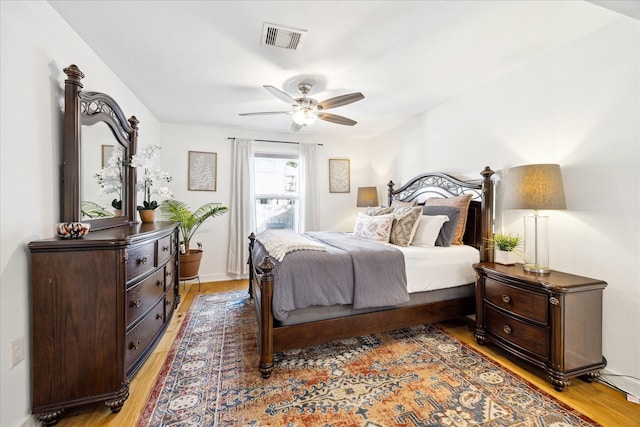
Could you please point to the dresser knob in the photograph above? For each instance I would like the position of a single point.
(165, 248)
(136, 303)
(159, 283)
(506, 329)
(134, 345)
(506, 298)
(142, 260)
(160, 316)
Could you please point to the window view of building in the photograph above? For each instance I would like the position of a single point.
(276, 189)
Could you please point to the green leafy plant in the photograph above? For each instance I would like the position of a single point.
(505, 242)
(190, 220)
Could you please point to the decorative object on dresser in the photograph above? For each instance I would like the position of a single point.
(100, 304)
(552, 320)
(535, 187)
(367, 197)
(190, 221)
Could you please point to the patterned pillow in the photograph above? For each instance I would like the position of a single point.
(405, 224)
(401, 204)
(461, 202)
(376, 227)
(378, 211)
(428, 230)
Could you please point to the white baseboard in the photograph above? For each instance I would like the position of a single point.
(627, 384)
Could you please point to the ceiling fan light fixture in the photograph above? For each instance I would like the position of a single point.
(304, 117)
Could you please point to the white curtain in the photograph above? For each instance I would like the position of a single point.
(309, 215)
(241, 209)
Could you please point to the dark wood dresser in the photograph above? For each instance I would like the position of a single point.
(552, 320)
(99, 305)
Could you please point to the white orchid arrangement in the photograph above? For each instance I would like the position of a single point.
(149, 182)
(110, 177)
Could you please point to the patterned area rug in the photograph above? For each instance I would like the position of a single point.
(410, 377)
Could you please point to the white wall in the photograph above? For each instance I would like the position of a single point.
(579, 107)
(337, 211)
(36, 44)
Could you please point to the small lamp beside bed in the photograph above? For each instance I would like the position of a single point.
(535, 187)
(367, 197)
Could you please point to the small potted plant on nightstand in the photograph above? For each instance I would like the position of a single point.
(505, 248)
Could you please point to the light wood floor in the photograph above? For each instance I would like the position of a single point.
(598, 401)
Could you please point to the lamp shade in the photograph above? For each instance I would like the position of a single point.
(534, 187)
(367, 196)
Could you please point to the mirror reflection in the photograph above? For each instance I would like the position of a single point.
(101, 173)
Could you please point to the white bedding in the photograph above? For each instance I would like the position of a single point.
(438, 267)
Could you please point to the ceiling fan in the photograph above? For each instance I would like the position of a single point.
(306, 110)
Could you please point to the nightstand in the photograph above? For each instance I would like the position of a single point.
(552, 320)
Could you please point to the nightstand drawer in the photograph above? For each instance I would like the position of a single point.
(529, 337)
(531, 305)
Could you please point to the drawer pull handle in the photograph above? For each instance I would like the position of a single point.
(142, 260)
(160, 316)
(136, 303)
(506, 298)
(506, 329)
(165, 248)
(134, 345)
(159, 283)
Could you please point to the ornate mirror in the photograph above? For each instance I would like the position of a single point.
(99, 143)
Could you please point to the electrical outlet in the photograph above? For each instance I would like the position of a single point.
(17, 351)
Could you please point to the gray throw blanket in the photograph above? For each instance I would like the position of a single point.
(352, 270)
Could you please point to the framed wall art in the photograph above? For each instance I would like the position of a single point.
(107, 150)
(339, 178)
(203, 168)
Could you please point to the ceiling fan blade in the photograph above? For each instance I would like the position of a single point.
(264, 113)
(334, 118)
(295, 127)
(341, 100)
(280, 95)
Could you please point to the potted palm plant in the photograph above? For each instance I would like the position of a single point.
(506, 248)
(190, 221)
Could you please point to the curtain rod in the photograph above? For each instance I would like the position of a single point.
(278, 142)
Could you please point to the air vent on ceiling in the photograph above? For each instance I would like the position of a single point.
(283, 37)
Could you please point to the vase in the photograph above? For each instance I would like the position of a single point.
(117, 212)
(190, 263)
(506, 257)
(147, 215)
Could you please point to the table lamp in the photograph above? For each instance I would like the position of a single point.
(535, 187)
(367, 197)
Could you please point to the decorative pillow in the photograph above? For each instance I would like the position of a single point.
(428, 230)
(461, 202)
(378, 211)
(401, 204)
(376, 227)
(448, 230)
(405, 224)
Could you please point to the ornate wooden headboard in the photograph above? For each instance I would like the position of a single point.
(479, 227)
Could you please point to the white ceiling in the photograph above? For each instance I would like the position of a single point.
(202, 62)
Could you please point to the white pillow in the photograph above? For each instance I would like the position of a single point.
(428, 230)
(376, 227)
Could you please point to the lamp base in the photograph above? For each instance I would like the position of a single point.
(533, 268)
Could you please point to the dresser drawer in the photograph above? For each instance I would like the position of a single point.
(532, 338)
(165, 248)
(531, 305)
(170, 273)
(139, 338)
(143, 295)
(170, 304)
(140, 259)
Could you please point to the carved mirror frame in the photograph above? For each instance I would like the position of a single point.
(90, 108)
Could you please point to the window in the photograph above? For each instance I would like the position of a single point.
(277, 186)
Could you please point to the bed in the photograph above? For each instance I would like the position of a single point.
(280, 330)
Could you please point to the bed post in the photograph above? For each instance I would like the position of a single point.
(390, 194)
(487, 214)
(266, 318)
